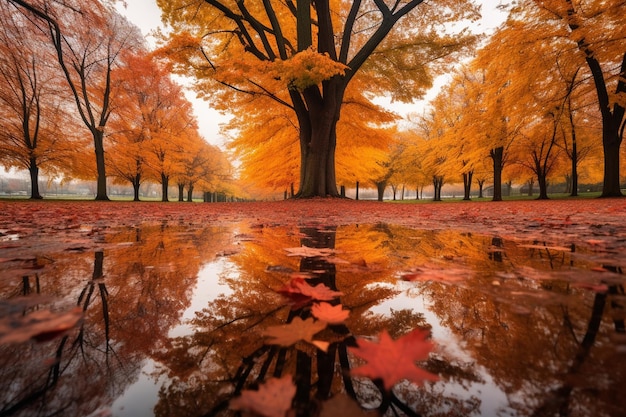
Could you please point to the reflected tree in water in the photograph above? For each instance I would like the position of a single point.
(134, 293)
(227, 354)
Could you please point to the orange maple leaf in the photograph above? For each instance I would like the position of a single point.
(393, 360)
(329, 313)
(273, 399)
(298, 329)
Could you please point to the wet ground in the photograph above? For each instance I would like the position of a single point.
(160, 314)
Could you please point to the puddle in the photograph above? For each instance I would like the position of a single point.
(178, 321)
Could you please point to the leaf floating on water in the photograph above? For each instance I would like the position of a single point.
(291, 333)
(329, 313)
(435, 273)
(394, 360)
(301, 293)
(307, 252)
(273, 398)
(40, 325)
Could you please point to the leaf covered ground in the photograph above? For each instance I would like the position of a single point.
(588, 221)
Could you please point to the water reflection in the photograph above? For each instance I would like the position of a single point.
(181, 314)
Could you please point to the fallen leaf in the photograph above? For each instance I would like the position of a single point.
(40, 325)
(329, 313)
(394, 360)
(291, 333)
(307, 252)
(437, 273)
(272, 399)
(301, 292)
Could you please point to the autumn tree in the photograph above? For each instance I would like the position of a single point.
(410, 166)
(266, 142)
(200, 165)
(131, 123)
(149, 106)
(597, 33)
(172, 131)
(304, 56)
(88, 43)
(32, 102)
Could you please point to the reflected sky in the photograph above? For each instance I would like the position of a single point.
(173, 320)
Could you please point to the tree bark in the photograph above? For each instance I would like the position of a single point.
(496, 156)
(437, 185)
(190, 193)
(318, 121)
(136, 184)
(467, 184)
(165, 183)
(381, 186)
(574, 179)
(34, 179)
(101, 180)
(543, 186)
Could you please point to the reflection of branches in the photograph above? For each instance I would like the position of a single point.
(318, 374)
(559, 399)
(55, 371)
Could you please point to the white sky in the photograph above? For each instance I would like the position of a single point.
(147, 16)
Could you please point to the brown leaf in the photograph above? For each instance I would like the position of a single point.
(273, 398)
(40, 325)
(298, 329)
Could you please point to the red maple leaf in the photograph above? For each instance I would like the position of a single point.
(301, 292)
(393, 360)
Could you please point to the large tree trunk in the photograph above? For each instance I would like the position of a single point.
(317, 117)
(190, 193)
(543, 186)
(101, 190)
(318, 161)
(165, 183)
(380, 187)
(467, 184)
(34, 179)
(611, 144)
(437, 185)
(136, 184)
(574, 179)
(181, 192)
(611, 123)
(496, 156)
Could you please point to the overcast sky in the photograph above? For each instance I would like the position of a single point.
(146, 15)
